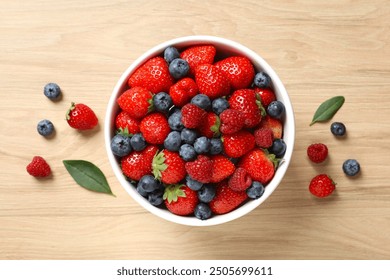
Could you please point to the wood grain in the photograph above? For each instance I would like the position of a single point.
(319, 49)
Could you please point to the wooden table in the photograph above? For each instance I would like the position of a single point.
(319, 49)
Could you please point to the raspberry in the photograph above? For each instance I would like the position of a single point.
(317, 152)
(264, 137)
(38, 167)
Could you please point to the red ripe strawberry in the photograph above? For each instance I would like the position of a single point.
(137, 102)
(182, 92)
(198, 55)
(240, 180)
(210, 126)
(226, 199)
(245, 101)
(180, 199)
(231, 121)
(138, 164)
(155, 128)
(238, 144)
(192, 116)
(222, 168)
(80, 116)
(124, 121)
(153, 75)
(264, 137)
(38, 167)
(200, 169)
(168, 167)
(211, 81)
(317, 152)
(239, 70)
(322, 185)
(259, 165)
(266, 95)
(274, 124)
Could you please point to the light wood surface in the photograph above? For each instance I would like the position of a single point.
(319, 49)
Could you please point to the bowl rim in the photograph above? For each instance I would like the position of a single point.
(280, 91)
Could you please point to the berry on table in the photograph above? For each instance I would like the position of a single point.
(38, 167)
(351, 167)
(179, 68)
(322, 185)
(256, 190)
(45, 127)
(52, 91)
(317, 152)
(81, 117)
(262, 80)
(202, 211)
(276, 109)
(120, 145)
(162, 101)
(171, 53)
(338, 129)
(138, 142)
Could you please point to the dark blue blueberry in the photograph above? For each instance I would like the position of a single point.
(141, 191)
(275, 109)
(170, 54)
(278, 148)
(120, 145)
(262, 80)
(193, 184)
(138, 142)
(162, 101)
(179, 68)
(202, 145)
(216, 146)
(202, 211)
(173, 141)
(52, 91)
(206, 193)
(174, 120)
(148, 183)
(188, 136)
(219, 105)
(351, 167)
(187, 152)
(202, 101)
(256, 190)
(156, 197)
(45, 127)
(338, 129)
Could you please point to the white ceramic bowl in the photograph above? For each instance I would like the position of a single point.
(224, 47)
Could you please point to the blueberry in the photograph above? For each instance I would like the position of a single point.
(52, 91)
(173, 141)
(179, 68)
(141, 191)
(45, 127)
(262, 80)
(351, 167)
(156, 197)
(187, 152)
(148, 183)
(202, 211)
(206, 193)
(219, 105)
(188, 136)
(202, 101)
(120, 145)
(202, 145)
(193, 184)
(138, 142)
(174, 120)
(338, 129)
(278, 148)
(216, 146)
(275, 109)
(256, 190)
(162, 101)
(170, 54)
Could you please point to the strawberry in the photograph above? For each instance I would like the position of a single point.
(198, 55)
(245, 101)
(80, 116)
(231, 121)
(137, 102)
(239, 71)
(138, 164)
(38, 167)
(226, 199)
(317, 152)
(266, 95)
(210, 126)
(153, 75)
(259, 165)
(200, 169)
(264, 137)
(192, 116)
(238, 144)
(322, 185)
(155, 128)
(274, 124)
(180, 199)
(182, 91)
(240, 180)
(222, 168)
(168, 167)
(124, 121)
(211, 81)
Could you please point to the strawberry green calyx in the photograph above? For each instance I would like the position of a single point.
(158, 165)
(260, 105)
(151, 105)
(215, 127)
(272, 158)
(124, 132)
(71, 108)
(173, 192)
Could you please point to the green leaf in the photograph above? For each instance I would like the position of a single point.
(88, 175)
(173, 192)
(327, 109)
(158, 165)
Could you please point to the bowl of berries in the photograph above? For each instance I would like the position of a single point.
(199, 130)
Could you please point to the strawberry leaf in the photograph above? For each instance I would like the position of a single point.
(328, 109)
(124, 132)
(173, 192)
(158, 165)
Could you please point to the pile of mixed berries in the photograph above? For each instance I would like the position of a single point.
(199, 134)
